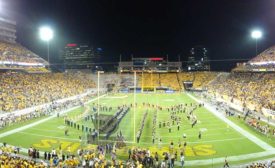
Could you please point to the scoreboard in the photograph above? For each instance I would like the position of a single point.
(146, 61)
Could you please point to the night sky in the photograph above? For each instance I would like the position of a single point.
(147, 28)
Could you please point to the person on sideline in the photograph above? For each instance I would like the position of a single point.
(182, 159)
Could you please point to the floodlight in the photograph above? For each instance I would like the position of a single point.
(46, 33)
(256, 34)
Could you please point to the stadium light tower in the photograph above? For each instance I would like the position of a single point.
(256, 34)
(46, 34)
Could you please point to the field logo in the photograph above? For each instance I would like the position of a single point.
(66, 146)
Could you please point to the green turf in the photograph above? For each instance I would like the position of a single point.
(219, 140)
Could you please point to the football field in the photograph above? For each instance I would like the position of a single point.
(218, 138)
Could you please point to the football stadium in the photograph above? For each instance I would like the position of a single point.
(148, 112)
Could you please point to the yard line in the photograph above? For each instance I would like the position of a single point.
(116, 97)
(218, 140)
(27, 133)
(208, 129)
(47, 130)
(41, 121)
(203, 134)
(166, 143)
(251, 137)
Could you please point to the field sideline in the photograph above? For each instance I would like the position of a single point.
(219, 139)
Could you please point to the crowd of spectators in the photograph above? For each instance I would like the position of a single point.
(170, 80)
(149, 79)
(100, 156)
(39, 69)
(53, 108)
(10, 157)
(266, 56)
(127, 80)
(265, 61)
(19, 90)
(175, 80)
(255, 89)
(263, 164)
(203, 78)
(13, 52)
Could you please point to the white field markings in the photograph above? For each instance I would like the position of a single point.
(193, 136)
(167, 143)
(200, 123)
(269, 150)
(201, 142)
(53, 131)
(199, 116)
(116, 97)
(194, 129)
(168, 100)
(41, 121)
(45, 136)
(60, 127)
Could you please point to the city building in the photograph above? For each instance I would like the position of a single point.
(198, 59)
(79, 56)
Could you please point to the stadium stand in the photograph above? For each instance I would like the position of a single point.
(199, 79)
(188, 76)
(106, 78)
(149, 79)
(267, 56)
(127, 80)
(13, 55)
(170, 80)
(250, 89)
(263, 164)
(153, 80)
(265, 61)
(19, 90)
(203, 78)
(175, 80)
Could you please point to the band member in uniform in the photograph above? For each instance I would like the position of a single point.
(199, 134)
(66, 131)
